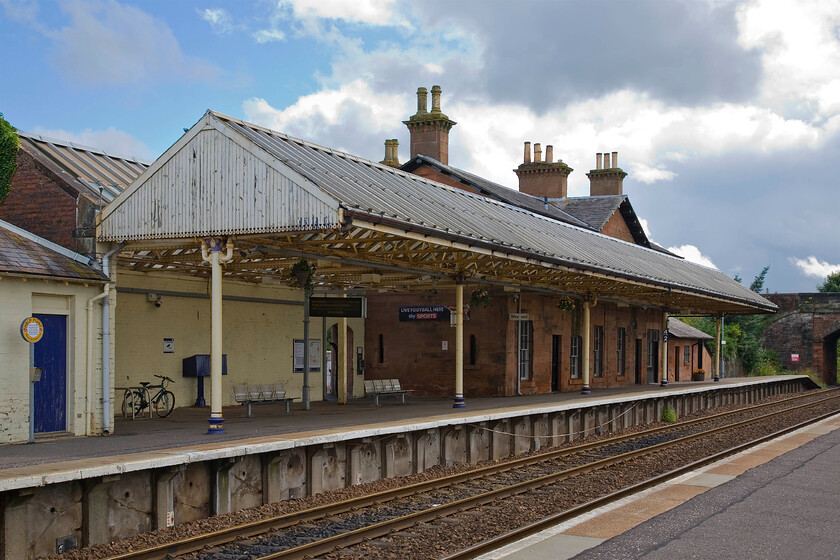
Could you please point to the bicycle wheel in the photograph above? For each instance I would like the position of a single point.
(164, 403)
(130, 404)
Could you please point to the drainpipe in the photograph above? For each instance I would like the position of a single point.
(106, 341)
(89, 361)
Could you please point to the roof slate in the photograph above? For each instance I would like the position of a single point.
(24, 253)
(678, 329)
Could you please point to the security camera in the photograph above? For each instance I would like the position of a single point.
(158, 301)
(154, 298)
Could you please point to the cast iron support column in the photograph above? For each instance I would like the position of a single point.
(459, 345)
(664, 352)
(585, 350)
(305, 390)
(341, 360)
(216, 258)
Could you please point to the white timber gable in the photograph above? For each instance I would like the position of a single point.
(214, 181)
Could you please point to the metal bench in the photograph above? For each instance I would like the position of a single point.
(267, 393)
(377, 388)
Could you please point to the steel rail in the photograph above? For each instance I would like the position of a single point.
(223, 536)
(330, 544)
(495, 543)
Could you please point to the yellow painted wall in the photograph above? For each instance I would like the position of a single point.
(20, 299)
(258, 336)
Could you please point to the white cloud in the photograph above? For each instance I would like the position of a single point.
(111, 141)
(693, 254)
(313, 115)
(814, 267)
(648, 174)
(268, 35)
(109, 43)
(371, 12)
(799, 49)
(219, 20)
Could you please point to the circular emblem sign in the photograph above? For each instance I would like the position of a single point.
(32, 329)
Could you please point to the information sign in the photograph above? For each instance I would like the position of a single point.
(794, 357)
(519, 317)
(335, 307)
(32, 329)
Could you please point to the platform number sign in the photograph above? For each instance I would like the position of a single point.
(32, 329)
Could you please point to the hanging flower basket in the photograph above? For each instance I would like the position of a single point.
(566, 304)
(301, 275)
(480, 298)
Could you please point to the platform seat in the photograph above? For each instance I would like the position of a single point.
(266, 393)
(377, 388)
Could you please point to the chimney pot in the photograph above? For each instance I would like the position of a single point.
(598, 160)
(537, 153)
(436, 99)
(549, 154)
(615, 159)
(421, 101)
(527, 158)
(607, 161)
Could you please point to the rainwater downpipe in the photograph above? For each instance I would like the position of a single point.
(106, 342)
(89, 361)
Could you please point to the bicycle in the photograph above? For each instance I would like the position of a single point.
(136, 401)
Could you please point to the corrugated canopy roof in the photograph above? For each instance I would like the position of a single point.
(87, 169)
(358, 218)
(679, 329)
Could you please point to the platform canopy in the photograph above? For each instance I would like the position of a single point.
(364, 225)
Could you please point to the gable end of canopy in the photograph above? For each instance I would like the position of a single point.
(214, 182)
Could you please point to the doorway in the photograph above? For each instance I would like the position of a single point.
(331, 377)
(638, 362)
(555, 363)
(676, 363)
(51, 391)
(652, 356)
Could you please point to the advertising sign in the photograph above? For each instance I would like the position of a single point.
(32, 329)
(425, 313)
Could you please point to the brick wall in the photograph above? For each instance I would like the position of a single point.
(413, 350)
(41, 204)
(430, 173)
(616, 227)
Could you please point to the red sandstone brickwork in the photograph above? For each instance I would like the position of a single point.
(38, 204)
(413, 350)
(616, 227)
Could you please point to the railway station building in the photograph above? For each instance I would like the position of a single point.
(265, 257)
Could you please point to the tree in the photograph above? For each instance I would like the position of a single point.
(758, 284)
(831, 284)
(9, 144)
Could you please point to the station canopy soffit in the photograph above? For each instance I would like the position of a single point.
(367, 226)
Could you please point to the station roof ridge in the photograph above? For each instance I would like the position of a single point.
(311, 189)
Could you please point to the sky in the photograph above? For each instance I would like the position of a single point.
(725, 114)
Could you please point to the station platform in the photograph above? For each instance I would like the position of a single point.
(777, 500)
(149, 442)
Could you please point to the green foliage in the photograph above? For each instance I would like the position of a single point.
(831, 284)
(742, 334)
(669, 415)
(9, 144)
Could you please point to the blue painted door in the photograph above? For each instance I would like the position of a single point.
(51, 390)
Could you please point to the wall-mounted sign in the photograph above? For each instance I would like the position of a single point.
(665, 334)
(794, 357)
(168, 345)
(336, 307)
(425, 313)
(519, 317)
(31, 329)
(314, 354)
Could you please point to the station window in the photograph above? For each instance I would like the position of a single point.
(381, 348)
(686, 354)
(598, 352)
(574, 356)
(473, 350)
(619, 351)
(526, 351)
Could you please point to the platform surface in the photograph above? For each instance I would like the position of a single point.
(182, 437)
(776, 501)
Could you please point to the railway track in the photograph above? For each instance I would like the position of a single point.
(372, 523)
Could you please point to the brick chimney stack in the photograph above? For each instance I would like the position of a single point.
(545, 179)
(607, 179)
(391, 158)
(430, 130)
